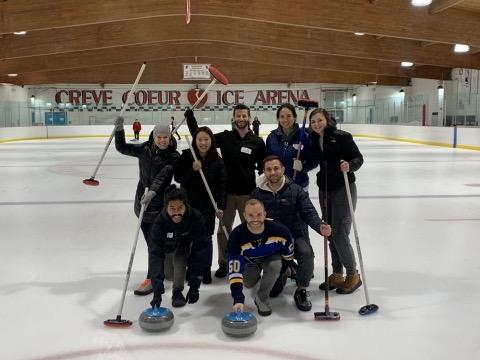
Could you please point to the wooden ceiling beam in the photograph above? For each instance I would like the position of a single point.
(438, 6)
(32, 15)
(169, 72)
(187, 51)
(432, 72)
(389, 18)
(294, 39)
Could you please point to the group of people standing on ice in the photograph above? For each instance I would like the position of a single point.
(274, 207)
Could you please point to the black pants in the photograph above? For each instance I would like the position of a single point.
(340, 220)
(146, 229)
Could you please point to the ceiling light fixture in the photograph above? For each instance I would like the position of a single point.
(407, 64)
(441, 92)
(421, 2)
(19, 32)
(12, 75)
(359, 33)
(460, 48)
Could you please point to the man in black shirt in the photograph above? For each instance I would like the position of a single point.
(243, 153)
(179, 231)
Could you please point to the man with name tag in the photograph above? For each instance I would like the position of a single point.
(243, 153)
(178, 231)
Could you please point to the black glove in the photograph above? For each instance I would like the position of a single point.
(157, 300)
(192, 295)
(285, 265)
(118, 123)
(189, 114)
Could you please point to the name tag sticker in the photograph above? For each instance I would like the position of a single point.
(246, 150)
(170, 235)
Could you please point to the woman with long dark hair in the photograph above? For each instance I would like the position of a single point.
(336, 152)
(188, 175)
(285, 141)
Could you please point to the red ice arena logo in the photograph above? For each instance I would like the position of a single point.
(193, 96)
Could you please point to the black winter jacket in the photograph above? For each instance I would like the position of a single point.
(156, 169)
(290, 205)
(337, 145)
(241, 156)
(191, 181)
(188, 237)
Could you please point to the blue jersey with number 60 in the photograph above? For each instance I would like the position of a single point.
(245, 247)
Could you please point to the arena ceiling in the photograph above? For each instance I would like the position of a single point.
(251, 41)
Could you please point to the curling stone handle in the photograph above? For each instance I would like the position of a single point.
(239, 314)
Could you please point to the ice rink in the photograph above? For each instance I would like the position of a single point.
(65, 249)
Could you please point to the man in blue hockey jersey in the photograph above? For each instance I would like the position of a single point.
(256, 250)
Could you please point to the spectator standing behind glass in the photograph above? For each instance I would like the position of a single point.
(243, 153)
(137, 127)
(256, 126)
(157, 159)
(172, 125)
(284, 142)
(188, 176)
(336, 152)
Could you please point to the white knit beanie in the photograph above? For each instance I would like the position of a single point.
(161, 129)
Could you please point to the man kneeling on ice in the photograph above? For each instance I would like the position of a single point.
(256, 249)
(179, 231)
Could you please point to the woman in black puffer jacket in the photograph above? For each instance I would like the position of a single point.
(336, 153)
(157, 159)
(188, 175)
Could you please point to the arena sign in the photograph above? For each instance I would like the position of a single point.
(99, 98)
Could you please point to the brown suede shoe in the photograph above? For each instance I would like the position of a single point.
(334, 281)
(352, 283)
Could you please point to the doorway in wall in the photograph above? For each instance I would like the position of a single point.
(335, 102)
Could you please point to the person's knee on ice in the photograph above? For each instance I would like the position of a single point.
(257, 247)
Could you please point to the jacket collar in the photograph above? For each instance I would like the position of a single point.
(184, 221)
(262, 183)
(279, 132)
(247, 135)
